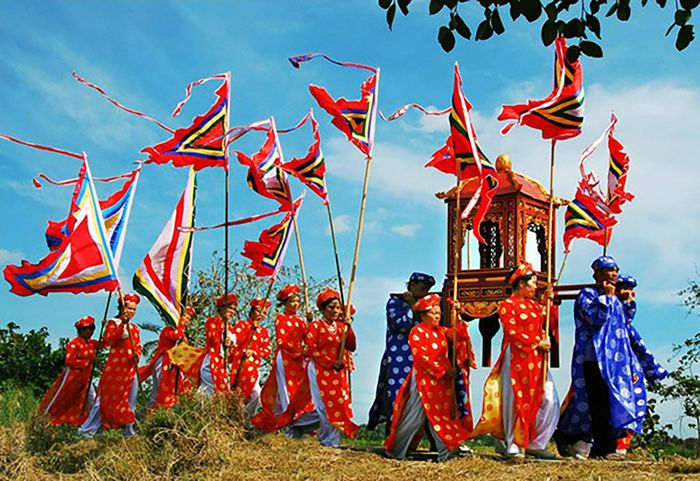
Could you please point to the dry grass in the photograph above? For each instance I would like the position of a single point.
(203, 439)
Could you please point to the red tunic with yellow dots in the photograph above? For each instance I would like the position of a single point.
(290, 331)
(171, 377)
(245, 370)
(118, 374)
(214, 331)
(522, 321)
(66, 395)
(430, 348)
(467, 362)
(322, 346)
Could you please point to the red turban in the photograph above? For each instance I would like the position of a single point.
(85, 322)
(259, 303)
(131, 298)
(427, 302)
(523, 270)
(287, 291)
(325, 295)
(227, 300)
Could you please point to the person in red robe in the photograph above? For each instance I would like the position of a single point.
(119, 384)
(168, 380)
(71, 396)
(519, 409)
(427, 392)
(250, 346)
(213, 377)
(327, 377)
(288, 370)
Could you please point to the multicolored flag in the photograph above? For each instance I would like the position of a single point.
(461, 156)
(116, 210)
(265, 176)
(617, 174)
(355, 118)
(311, 169)
(560, 115)
(83, 261)
(268, 252)
(163, 276)
(587, 217)
(203, 143)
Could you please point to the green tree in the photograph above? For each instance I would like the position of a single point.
(685, 384)
(574, 19)
(28, 359)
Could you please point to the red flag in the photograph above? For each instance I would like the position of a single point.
(617, 174)
(462, 147)
(267, 254)
(203, 143)
(265, 176)
(560, 115)
(588, 217)
(311, 169)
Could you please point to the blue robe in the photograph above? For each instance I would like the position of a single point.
(396, 361)
(653, 371)
(601, 331)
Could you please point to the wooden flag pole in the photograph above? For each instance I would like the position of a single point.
(455, 269)
(341, 351)
(335, 252)
(550, 247)
(97, 350)
(225, 333)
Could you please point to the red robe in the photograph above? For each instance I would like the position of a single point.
(68, 395)
(430, 348)
(322, 346)
(214, 331)
(245, 370)
(171, 377)
(523, 322)
(290, 331)
(118, 374)
(467, 362)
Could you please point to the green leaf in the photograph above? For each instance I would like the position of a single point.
(574, 28)
(673, 25)
(403, 5)
(435, 6)
(450, 3)
(551, 10)
(661, 3)
(515, 10)
(484, 31)
(593, 24)
(572, 53)
(496, 23)
(591, 49)
(689, 4)
(385, 3)
(462, 27)
(549, 32)
(390, 14)
(682, 16)
(446, 39)
(624, 12)
(685, 36)
(612, 10)
(532, 9)
(594, 8)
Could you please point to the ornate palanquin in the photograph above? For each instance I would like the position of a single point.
(520, 206)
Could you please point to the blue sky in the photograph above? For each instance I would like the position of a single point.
(144, 53)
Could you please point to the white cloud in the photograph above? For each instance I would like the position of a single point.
(406, 230)
(10, 257)
(341, 224)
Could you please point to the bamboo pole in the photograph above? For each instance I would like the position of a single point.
(225, 333)
(335, 253)
(550, 247)
(97, 350)
(455, 269)
(341, 351)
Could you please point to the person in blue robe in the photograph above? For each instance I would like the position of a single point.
(607, 397)
(653, 371)
(397, 360)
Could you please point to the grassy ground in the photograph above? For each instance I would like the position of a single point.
(205, 439)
